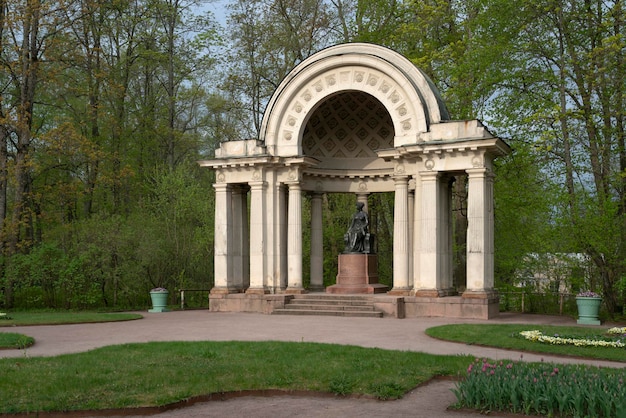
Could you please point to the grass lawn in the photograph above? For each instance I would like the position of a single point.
(160, 373)
(507, 336)
(134, 375)
(14, 340)
(63, 317)
(10, 340)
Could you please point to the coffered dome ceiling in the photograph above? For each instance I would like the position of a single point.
(348, 125)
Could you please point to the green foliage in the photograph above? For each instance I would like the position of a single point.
(114, 260)
(48, 277)
(542, 389)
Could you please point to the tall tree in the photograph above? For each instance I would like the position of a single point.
(269, 37)
(565, 93)
(27, 29)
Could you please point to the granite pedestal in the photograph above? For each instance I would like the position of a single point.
(358, 273)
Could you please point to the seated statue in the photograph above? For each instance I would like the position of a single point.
(358, 238)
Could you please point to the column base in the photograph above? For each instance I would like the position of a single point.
(295, 291)
(316, 288)
(224, 291)
(480, 294)
(400, 292)
(257, 291)
(431, 293)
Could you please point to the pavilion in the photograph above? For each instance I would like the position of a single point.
(355, 118)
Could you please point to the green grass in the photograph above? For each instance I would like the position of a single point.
(507, 336)
(14, 340)
(135, 375)
(20, 318)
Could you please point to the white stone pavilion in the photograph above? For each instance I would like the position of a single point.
(355, 118)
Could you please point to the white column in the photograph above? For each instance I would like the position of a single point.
(294, 239)
(281, 235)
(480, 280)
(445, 228)
(430, 237)
(411, 236)
(401, 237)
(257, 238)
(245, 241)
(223, 241)
(417, 233)
(239, 228)
(317, 243)
(275, 218)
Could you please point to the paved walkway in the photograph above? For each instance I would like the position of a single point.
(387, 333)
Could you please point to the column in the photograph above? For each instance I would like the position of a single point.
(240, 237)
(411, 236)
(401, 237)
(445, 228)
(281, 234)
(257, 238)
(417, 233)
(317, 244)
(430, 237)
(276, 243)
(223, 239)
(294, 239)
(480, 280)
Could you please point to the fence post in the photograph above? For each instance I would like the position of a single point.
(182, 299)
(560, 303)
(522, 302)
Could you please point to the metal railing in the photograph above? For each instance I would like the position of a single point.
(182, 296)
(536, 302)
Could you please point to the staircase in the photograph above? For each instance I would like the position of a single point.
(330, 305)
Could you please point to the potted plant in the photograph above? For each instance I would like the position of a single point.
(588, 307)
(159, 299)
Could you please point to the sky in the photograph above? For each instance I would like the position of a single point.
(217, 7)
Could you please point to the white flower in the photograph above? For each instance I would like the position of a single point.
(537, 336)
(617, 330)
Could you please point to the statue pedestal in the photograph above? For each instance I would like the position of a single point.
(358, 273)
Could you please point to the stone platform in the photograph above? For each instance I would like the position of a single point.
(390, 305)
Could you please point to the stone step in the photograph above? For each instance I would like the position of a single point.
(328, 307)
(335, 302)
(362, 314)
(326, 296)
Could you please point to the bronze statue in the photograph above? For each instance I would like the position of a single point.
(358, 239)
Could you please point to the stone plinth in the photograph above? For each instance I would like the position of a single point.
(358, 273)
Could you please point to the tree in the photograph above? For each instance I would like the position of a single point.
(564, 92)
(269, 37)
(27, 28)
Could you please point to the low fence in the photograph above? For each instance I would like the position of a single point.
(539, 303)
(193, 298)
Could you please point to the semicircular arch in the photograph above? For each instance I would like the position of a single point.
(403, 90)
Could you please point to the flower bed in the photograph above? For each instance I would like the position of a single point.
(538, 336)
(542, 389)
(617, 330)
